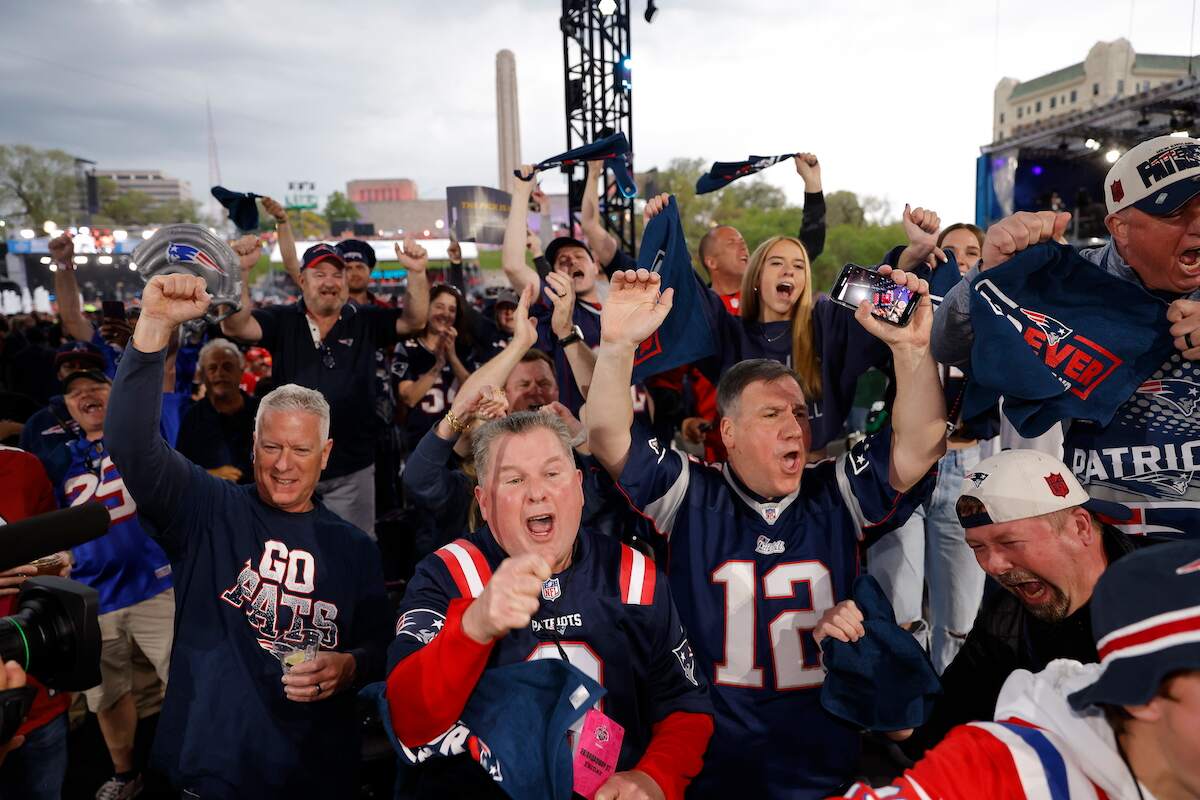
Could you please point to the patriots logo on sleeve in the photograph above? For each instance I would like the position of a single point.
(687, 660)
(422, 624)
(186, 254)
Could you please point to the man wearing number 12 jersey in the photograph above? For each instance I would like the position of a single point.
(759, 549)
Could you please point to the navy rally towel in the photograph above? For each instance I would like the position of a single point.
(243, 209)
(884, 681)
(685, 335)
(514, 726)
(612, 150)
(724, 173)
(1061, 339)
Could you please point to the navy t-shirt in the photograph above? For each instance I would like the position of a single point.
(251, 581)
(211, 439)
(342, 368)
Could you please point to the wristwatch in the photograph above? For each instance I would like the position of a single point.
(576, 335)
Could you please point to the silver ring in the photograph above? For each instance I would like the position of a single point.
(318, 687)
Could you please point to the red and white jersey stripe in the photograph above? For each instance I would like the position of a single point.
(638, 576)
(1151, 635)
(467, 566)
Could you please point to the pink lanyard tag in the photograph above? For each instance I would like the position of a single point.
(599, 747)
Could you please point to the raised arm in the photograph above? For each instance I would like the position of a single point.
(921, 227)
(287, 239)
(582, 359)
(243, 325)
(603, 244)
(158, 478)
(812, 222)
(416, 294)
(633, 312)
(919, 411)
(66, 290)
(512, 252)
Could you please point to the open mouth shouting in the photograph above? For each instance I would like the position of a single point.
(786, 290)
(791, 461)
(540, 526)
(1190, 260)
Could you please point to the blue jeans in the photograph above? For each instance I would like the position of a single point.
(35, 770)
(930, 548)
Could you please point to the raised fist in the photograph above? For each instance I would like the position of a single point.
(175, 299)
(248, 251)
(1024, 229)
(808, 168)
(272, 207)
(62, 250)
(509, 600)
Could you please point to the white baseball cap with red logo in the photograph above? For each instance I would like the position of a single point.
(1018, 484)
(1157, 176)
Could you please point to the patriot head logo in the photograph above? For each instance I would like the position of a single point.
(1168, 481)
(977, 479)
(422, 624)
(186, 254)
(1058, 486)
(551, 590)
(1055, 331)
(1179, 394)
(687, 660)
(1118, 192)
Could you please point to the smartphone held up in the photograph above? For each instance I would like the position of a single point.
(890, 302)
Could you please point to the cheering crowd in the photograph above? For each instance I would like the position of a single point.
(555, 566)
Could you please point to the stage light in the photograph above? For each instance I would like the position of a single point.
(27, 233)
(120, 235)
(1037, 170)
(54, 267)
(132, 267)
(146, 234)
(607, 7)
(105, 260)
(439, 224)
(1112, 155)
(625, 72)
(651, 11)
(81, 259)
(50, 226)
(1092, 144)
(45, 259)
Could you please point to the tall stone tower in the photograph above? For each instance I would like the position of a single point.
(508, 123)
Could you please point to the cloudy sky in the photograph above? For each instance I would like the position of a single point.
(895, 98)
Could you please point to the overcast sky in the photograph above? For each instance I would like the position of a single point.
(895, 98)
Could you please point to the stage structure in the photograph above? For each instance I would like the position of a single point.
(598, 83)
(1061, 163)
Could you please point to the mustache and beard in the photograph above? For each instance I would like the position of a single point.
(1043, 599)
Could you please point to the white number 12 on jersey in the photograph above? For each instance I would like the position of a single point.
(741, 610)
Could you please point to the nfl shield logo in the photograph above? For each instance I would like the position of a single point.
(551, 590)
(1118, 191)
(770, 513)
(1058, 486)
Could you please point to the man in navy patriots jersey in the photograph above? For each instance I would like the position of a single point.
(533, 585)
(760, 549)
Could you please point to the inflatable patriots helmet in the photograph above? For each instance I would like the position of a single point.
(194, 250)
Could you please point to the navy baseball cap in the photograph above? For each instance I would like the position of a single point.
(357, 250)
(322, 252)
(1146, 621)
(91, 374)
(85, 352)
(561, 242)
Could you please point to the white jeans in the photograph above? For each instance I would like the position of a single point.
(930, 548)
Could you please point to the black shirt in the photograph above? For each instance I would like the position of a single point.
(212, 439)
(342, 369)
(411, 360)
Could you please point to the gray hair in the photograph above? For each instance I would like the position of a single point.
(744, 373)
(291, 397)
(518, 423)
(221, 346)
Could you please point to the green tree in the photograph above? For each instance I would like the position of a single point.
(338, 206)
(37, 185)
(176, 211)
(843, 208)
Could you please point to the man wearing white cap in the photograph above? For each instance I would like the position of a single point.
(1035, 531)
(1147, 455)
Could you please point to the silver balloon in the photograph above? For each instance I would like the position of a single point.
(191, 249)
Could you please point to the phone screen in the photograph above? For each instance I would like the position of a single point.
(113, 309)
(889, 302)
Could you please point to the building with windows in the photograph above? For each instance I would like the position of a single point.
(158, 185)
(380, 190)
(1111, 71)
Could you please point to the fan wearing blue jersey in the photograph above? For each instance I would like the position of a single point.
(759, 549)
(533, 584)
